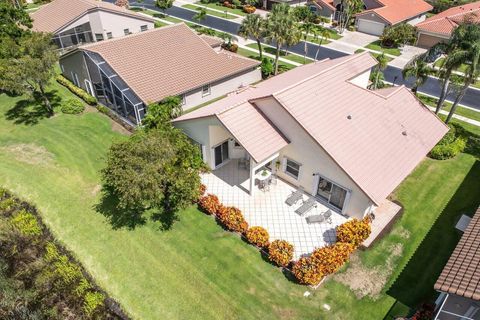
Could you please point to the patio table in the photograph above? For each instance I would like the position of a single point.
(262, 179)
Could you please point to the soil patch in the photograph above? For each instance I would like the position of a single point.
(30, 153)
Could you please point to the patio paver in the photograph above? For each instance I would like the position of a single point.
(268, 209)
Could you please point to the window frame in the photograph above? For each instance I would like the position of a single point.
(109, 35)
(209, 90)
(322, 199)
(297, 177)
(126, 31)
(144, 28)
(99, 37)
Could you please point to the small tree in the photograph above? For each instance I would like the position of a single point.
(377, 75)
(200, 15)
(32, 69)
(164, 4)
(157, 170)
(162, 112)
(419, 70)
(398, 35)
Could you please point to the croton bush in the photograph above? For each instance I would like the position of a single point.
(280, 252)
(209, 203)
(258, 236)
(306, 271)
(354, 231)
(331, 258)
(232, 219)
(249, 9)
(203, 189)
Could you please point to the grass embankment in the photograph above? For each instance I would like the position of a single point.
(292, 57)
(198, 271)
(211, 12)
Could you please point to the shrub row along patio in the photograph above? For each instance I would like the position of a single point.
(196, 270)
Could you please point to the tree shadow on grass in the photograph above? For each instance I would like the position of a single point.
(415, 283)
(31, 110)
(130, 218)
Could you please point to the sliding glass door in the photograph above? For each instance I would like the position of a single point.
(221, 153)
(331, 193)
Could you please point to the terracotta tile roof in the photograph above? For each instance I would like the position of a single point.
(326, 3)
(59, 13)
(445, 22)
(166, 61)
(244, 119)
(396, 11)
(389, 132)
(461, 275)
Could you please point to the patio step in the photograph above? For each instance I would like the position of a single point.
(385, 216)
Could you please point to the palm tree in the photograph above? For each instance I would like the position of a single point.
(378, 76)
(200, 15)
(294, 36)
(278, 27)
(307, 29)
(419, 69)
(321, 35)
(253, 26)
(469, 52)
(348, 9)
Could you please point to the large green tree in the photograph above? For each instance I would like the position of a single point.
(14, 20)
(281, 28)
(31, 69)
(162, 112)
(164, 4)
(253, 26)
(155, 172)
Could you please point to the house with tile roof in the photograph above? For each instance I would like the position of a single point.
(127, 74)
(74, 22)
(377, 14)
(459, 282)
(319, 128)
(439, 28)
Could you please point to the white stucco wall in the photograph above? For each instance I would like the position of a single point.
(313, 159)
(103, 22)
(222, 87)
(416, 20)
(362, 80)
(80, 21)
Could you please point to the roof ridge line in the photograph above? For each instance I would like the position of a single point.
(350, 58)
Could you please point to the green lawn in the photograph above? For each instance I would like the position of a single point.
(218, 6)
(439, 63)
(196, 270)
(211, 12)
(254, 55)
(376, 45)
(374, 54)
(290, 56)
(461, 111)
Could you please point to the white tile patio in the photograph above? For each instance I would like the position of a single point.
(268, 209)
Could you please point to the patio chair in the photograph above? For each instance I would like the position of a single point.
(294, 196)
(273, 179)
(306, 206)
(320, 218)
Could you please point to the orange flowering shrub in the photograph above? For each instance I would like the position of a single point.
(258, 236)
(209, 203)
(232, 218)
(249, 9)
(354, 231)
(306, 271)
(203, 189)
(280, 252)
(330, 259)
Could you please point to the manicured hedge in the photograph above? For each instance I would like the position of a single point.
(72, 106)
(49, 282)
(451, 144)
(91, 100)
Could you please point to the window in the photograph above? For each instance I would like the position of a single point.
(221, 153)
(236, 144)
(98, 37)
(205, 90)
(292, 168)
(109, 35)
(331, 193)
(144, 28)
(126, 31)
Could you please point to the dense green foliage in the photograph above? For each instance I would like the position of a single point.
(42, 280)
(89, 99)
(451, 145)
(442, 5)
(72, 106)
(398, 35)
(14, 23)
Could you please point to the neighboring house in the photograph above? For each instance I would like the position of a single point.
(439, 28)
(377, 14)
(459, 282)
(74, 22)
(126, 74)
(348, 146)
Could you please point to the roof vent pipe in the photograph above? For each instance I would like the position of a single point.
(349, 117)
(404, 133)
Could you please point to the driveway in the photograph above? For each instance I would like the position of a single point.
(408, 53)
(351, 41)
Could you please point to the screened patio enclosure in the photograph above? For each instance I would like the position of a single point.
(78, 35)
(112, 91)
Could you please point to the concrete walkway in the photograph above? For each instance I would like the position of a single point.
(407, 54)
(351, 42)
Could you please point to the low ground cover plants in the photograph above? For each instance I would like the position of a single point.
(451, 144)
(72, 106)
(89, 99)
(43, 281)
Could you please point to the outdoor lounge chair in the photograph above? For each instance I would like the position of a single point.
(319, 218)
(294, 196)
(306, 206)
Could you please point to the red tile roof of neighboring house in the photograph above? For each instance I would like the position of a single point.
(396, 11)
(461, 275)
(445, 22)
(57, 14)
(167, 61)
(326, 3)
(387, 135)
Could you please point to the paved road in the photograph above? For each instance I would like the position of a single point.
(392, 74)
